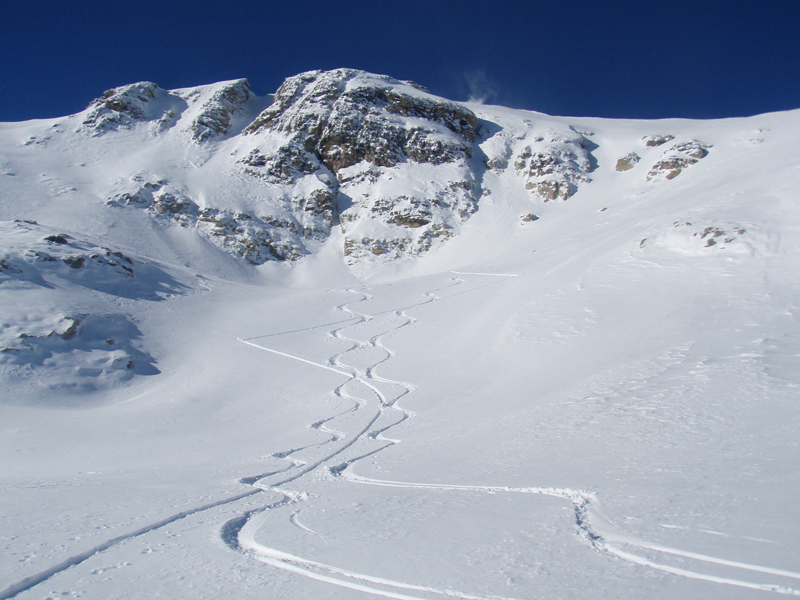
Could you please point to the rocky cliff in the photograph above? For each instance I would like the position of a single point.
(378, 166)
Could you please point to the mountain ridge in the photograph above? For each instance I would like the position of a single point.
(398, 170)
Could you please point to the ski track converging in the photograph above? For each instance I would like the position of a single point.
(592, 526)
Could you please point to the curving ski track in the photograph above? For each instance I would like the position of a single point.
(593, 527)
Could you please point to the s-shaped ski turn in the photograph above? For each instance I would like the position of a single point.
(592, 526)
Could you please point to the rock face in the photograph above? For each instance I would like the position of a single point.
(119, 107)
(381, 165)
(209, 115)
(383, 159)
(255, 238)
(555, 164)
(356, 133)
(343, 117)
(677, 158)
(626, 163)
(651, 141)
(216, 113)
(209, 112)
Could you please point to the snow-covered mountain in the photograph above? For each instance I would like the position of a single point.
(390, 344)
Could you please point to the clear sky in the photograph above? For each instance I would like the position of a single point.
(608, 58)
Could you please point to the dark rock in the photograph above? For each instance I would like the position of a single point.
(39, 256)
(343, 125)
(626, 163)
(287, 165)
(119, 107)
(75, 262)
(70, 332)
(677, 159)
(652, 141)
(5, 266)
(216, 113)
(555, 165)
(57, 239)
(170, 204)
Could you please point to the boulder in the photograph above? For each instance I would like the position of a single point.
(627, 162)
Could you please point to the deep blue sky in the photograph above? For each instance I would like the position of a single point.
(636, 59)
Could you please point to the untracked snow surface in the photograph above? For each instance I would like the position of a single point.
(590, 390)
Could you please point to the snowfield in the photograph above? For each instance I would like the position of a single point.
(603, 401)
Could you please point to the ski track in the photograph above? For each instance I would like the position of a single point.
(591, 524)
(487, 274)
(296, 522)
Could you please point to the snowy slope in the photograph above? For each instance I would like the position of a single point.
(514, 356)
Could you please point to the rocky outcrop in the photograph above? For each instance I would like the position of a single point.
(77, 255)
(347, 133)
(256, 239)
(344, 117)
(216, 113)
(627, 162)
(209, 111)
(651, 141)
(78, 352)
(41, 255)
(406, 224)
(677, 159)
(716, 235)
(696, 239)
(396, 169)
(286, 165)
(141, 190)
(425, 208)
(314, 159)
(555, 164)
(120, 106)
(394, 248)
